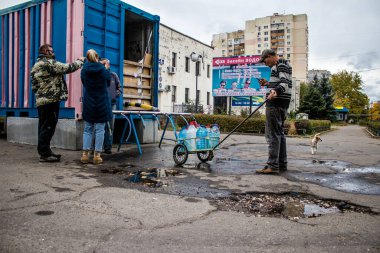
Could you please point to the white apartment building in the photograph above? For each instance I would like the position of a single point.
(177, 72)
(286, 34)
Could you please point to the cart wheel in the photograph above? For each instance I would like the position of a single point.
(205, 156)
(180, 154)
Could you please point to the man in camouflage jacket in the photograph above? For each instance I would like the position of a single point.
(49, 87)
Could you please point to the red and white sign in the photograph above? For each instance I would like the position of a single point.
(238, 60)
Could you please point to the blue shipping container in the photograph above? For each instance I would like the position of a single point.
(116, 30)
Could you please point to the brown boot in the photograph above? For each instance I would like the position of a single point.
(85, 156)
(97, 158)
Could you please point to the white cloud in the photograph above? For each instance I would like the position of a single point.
(336, 28)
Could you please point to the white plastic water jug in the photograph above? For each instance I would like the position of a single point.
(190, 137)
(214, 135)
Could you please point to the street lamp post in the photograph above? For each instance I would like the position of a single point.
(196, 58)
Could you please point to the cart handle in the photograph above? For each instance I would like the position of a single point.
(241, 123)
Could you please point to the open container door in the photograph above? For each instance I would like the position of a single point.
(127, 36)
(140, 59)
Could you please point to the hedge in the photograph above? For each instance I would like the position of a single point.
(255, 124)
(374, 128)
(312, 126)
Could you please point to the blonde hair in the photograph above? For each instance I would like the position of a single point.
(92, 55)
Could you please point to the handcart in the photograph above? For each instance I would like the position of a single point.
(181, 151)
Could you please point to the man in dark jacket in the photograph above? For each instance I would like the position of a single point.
(114, 92)
(278, 95)
(49, 87)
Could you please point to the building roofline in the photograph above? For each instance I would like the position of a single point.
(187, 36)
(21, 6)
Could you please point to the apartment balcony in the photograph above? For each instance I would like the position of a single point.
(277, 33)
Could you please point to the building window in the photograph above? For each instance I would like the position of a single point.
(208, 98)
(265, 44)
(259, 40)
(265, 27)
(259, 51)
(265, 33)
(187, 95)
(258, 45)
(174, 59)
(288, 30)
(288, 49)
(288, 43)
(174, 93)
(288, 37)
(187, 64)
(198, 68)
(288, 55)
(259, 33)
(266, 39)
(208, 70)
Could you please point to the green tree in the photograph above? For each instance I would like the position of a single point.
(303, 89)
(326, 90)
(318, 107)
(375, 111)
(349, 91)
(313, 103)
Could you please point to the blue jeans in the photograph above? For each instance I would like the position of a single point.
(99, 136)
(274, 133)
(108, 135)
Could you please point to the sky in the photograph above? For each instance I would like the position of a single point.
(343, 34)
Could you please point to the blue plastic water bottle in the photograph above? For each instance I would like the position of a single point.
(208, 135)
(201, 137)
(182, 135)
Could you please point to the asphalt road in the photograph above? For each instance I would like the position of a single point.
(70, 207)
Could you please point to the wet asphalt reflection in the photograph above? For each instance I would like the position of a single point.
(241, 159)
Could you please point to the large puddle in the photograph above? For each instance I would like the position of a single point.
(343, 177)
(238, 160)
(337, 175)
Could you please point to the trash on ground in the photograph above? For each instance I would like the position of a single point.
(292, 206)
(149, 177)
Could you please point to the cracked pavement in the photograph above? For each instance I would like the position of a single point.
(69, 207)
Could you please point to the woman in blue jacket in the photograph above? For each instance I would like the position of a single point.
(96, 106)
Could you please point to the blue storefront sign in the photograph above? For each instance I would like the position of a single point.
(244, 101)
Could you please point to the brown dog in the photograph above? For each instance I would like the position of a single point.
(314, 143)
